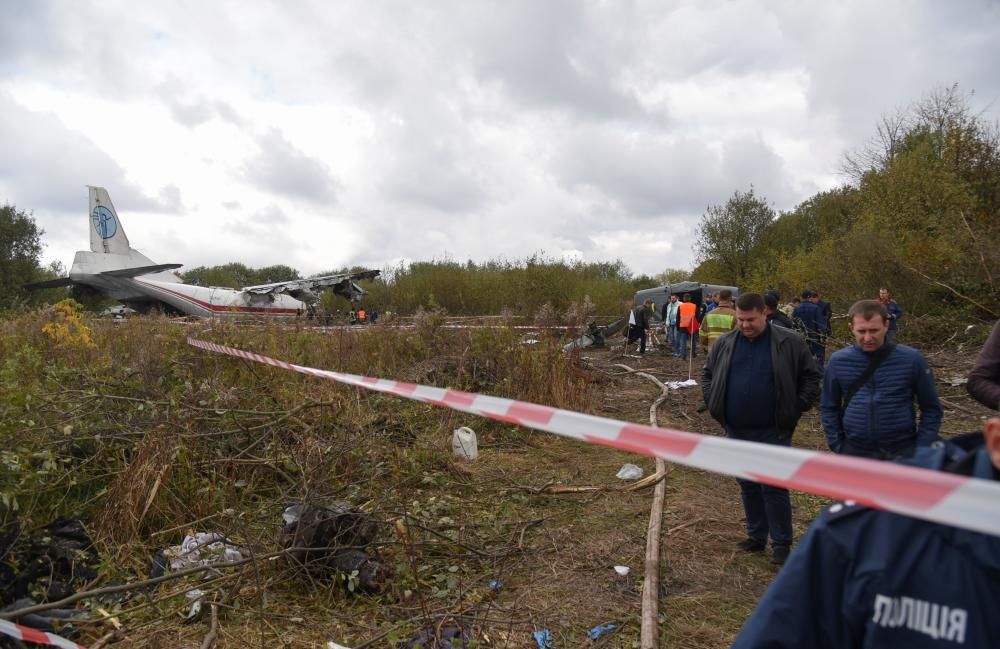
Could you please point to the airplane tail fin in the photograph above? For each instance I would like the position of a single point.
(106, 232)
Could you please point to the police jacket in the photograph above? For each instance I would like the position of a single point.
(881, 414)
(796, 379)
(872, 580)
(718, 321)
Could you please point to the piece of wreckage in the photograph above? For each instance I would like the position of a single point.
(596, 336)
(330, 541)
(114, 268)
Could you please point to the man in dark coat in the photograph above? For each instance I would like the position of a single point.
(639, 324)
(757, 381)
(815, 323)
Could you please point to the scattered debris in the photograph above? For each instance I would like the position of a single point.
(496, 584)
(47, 566)
(629, 472)
(463, 443)
(201, 549)
(595, 335)
(677, 385)
(543, 639)
(331, 541)
(598, 631)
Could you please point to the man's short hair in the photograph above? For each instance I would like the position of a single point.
(770, 301)
(867, 310)
(725, 294)
(775, 292)
(750, 302)
(687, 296)
(806, 294)
(647, 302)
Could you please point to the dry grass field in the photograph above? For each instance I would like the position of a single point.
(144, 439)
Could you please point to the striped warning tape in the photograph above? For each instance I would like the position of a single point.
(940, 497)
(27, 634)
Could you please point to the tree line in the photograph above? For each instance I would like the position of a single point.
(918, 214)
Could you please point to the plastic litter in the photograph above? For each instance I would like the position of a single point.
(676, 385)
(598, 631)
(543, 639)
(623, 570)
(629, 472)
(333, 645)
(464, 444)
(201, 549)
(496, 584)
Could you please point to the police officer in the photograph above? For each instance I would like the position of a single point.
(870, 579)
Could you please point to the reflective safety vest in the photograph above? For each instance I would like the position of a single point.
(717, 322)
(361, 314)
(686, 313)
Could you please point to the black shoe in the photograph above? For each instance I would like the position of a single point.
(779, 554)
(752, 545)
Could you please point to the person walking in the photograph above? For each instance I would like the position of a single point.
(895, 312)
(638, 324)
(757, 382)
(812, 318)
(869, 389)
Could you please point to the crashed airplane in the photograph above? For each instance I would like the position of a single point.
(113, 267)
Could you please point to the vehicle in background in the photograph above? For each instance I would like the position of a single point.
(661, 294)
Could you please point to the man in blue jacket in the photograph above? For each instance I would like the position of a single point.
(869, 389)
(867, 579)
(816, 326)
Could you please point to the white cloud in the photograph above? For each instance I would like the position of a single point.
(325, 135)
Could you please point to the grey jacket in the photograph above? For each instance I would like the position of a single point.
(796, 379)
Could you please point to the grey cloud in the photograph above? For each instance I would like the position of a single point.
(45, 165)
(554, 55)
(648, 176)
(283, 169)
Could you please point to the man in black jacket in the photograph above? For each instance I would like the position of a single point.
(774, 314)
(757, 382)
(639, 325)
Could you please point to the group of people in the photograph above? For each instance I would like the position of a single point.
(358, 315)
(846, 582)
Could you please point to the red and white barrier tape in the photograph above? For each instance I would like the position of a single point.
(27, 634)
(956, 500)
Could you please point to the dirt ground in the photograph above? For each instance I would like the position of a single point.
(565, 579)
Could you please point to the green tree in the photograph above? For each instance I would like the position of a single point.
(731, 234)
(20, 249)
(673, 276)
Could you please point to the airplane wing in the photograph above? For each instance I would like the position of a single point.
(50, 283)
(302, 289)
(140, 270)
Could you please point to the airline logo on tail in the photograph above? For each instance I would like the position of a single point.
(104, 222)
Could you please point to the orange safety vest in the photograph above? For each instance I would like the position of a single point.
(361, 314)
(686, 315)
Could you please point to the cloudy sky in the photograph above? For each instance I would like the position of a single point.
(328, 134)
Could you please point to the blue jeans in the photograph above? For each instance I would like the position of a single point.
(683, 337)
(674, 339)
(768, 509)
